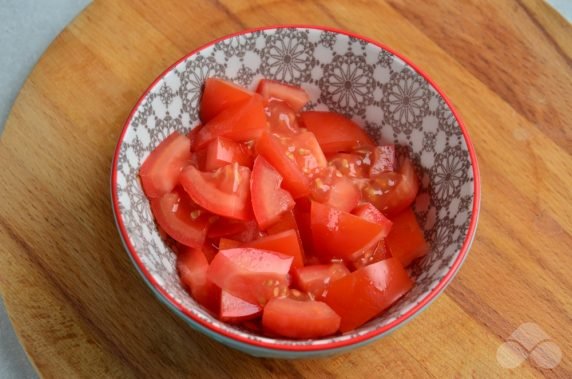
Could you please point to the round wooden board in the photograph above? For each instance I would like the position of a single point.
(81, 310)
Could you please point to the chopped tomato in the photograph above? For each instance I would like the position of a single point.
(374, 254)
(282, 118)
(199, 159)
(234, 310)
(219, 95)
(393, 192)
(304, 226)
(350, 165)
(383, 160)
(224, 192)
(223, 151)
(295, 294)
(192, 266)
(180, 218)
(160, 171)
(365, 293)
(296, 97)
(316, 279)
(253, 275)
(240, 122)
(370, 213)
(406, 241)
(269, 200)
(335, 132)
(285, 222)
(299, 319)
(227, 243)
(225, 227)
(285, 242)
(193, 134)
(330, 187)
(341, 235)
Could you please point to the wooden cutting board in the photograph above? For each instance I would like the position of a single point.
(81, 310)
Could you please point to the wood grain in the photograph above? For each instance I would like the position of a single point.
(80, 308)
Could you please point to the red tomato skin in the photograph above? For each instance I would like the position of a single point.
(340, 235)
(269, 200)
(253, 275)
(192, 266)
(368, 291)
(406, 241)
(239, 122)
(223, 151)
(369, 212)
(285, 242)
(376, 253)
(235, 310)
(299, 319)
(295, 97)
(218, 95)
(160, 172)
(173, 212)
(383, 160)
(204, 190)
(335, 132)
(316, 279)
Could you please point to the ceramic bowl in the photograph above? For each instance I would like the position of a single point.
(379, 89)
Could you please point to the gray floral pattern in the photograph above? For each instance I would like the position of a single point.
(412, 115)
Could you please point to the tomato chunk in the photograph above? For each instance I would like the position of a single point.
(224, 192)
(285, 242)
(269, 200)
(223, 151)
(285, 222)
(350, 165)
(253, 275)
(299, 319)
(160, 171)
(235, 310)
(383, 160)
(239, 122)
(316, 279)
(406, 241)
(192, 265)
(218, 95)
(393, 192)
(374, 254)
(330, 187)
(370, 213)
(296, 97)
(335, 132)
(180, 218)
(339, 234)
(282, 118)
(227, 243)
(365, 293)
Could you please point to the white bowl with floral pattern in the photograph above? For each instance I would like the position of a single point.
(379, 89)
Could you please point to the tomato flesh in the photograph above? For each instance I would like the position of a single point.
(383, 160)
(227, 243)
(370, 213)
(335, 132)
(192, 266)
(295, 97)
(316, 279)
(374, 254)
(330, 187)
(350, 165)
(235, 310)
(406, 241)
(366, 292)
(285, 242)
(219, 95)
(223, 151)
(225, 192)
(282, 118)
(160, 172)
(269, 200)
(299, 319)
(182, 220)
(253, 275)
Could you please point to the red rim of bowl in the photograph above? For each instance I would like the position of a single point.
(326, 346)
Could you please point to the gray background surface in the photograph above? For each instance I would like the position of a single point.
(26, 29)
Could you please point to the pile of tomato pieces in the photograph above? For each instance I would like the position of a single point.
(291, 223)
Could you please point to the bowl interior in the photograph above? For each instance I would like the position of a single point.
(343, 73)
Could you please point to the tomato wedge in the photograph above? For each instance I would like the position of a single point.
(219, 95)
(339, 234)
(239, 122)
(295, 97)
(285, 222)
(370, 213)
(223, 151)
(335, 132)
(350, 165)
(227, 243)
(299, 319)
(235, 310)
(253, 275)
(160, 171)
(182, 220)
(406, 241)
(224, 192)
(285, 242)
(192, 265)
(316, 279)
(269, 200)
(374, 254)
(330, 187)
(383, 160)
(363, 294)
(282, 118)
(393, 192)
